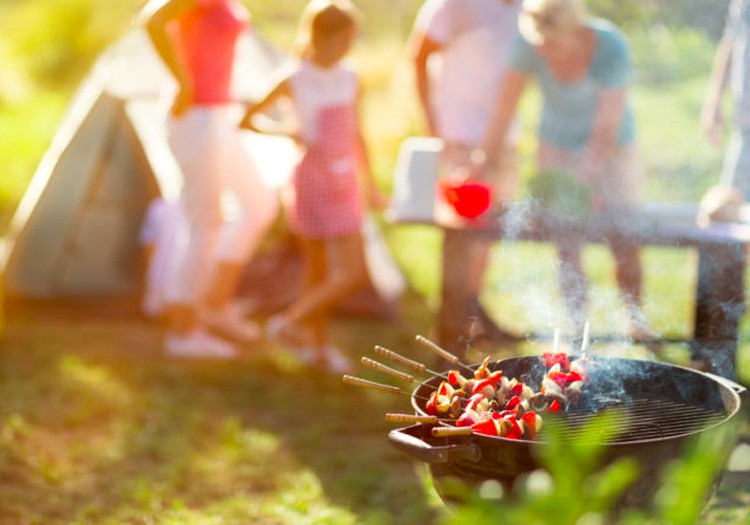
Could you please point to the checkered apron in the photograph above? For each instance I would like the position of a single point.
(324, 198)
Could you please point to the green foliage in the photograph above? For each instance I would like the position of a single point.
(687, 483)
(59, 39)
(570, 487)
(574, 489)
(665, 55)
(707, 16)
(623, 13)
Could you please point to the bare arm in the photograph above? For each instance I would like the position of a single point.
(422, 47)
(610, 107)
(279, 91)
(711, 118)
(157, 16)
(512, 88)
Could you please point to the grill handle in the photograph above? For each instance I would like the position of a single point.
(419, 449)
(737, 388)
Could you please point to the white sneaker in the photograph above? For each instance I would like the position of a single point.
(228, 321)
(199, 344)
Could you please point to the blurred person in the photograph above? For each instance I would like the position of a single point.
(459, 53)
(586, 131)
(730, 70)
(324, 200)
(196, 40)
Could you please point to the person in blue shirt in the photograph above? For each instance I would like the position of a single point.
(586, 130)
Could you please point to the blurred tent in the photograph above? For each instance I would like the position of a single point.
(76, 230)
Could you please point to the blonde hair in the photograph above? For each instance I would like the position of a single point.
(323, 18)
(540, 19)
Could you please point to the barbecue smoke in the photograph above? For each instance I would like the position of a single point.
(535, 285)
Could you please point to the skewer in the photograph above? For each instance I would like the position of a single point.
(452, 359)
(448, 431)
(585, 339)
(410, 418)
(388, 370)
(358, 381)
(414, 365)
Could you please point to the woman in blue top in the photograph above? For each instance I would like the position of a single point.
(582, 66)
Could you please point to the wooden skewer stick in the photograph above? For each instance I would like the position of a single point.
(451, 431)
(390, 354)
(452, 359)
(357, 381)
(386, 369)
(410, 418)
(585, 339)
(414, 365)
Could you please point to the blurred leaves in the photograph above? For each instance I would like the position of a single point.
(58, 40)
(575, 488)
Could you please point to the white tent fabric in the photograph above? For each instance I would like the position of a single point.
(75, 231)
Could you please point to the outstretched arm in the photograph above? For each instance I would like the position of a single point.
(422, 47)
(157, 16)
(512, 87)
(260, 108)
(610, 108)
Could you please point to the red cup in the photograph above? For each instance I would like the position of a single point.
(470, 199)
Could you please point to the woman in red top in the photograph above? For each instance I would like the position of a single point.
(196, 40)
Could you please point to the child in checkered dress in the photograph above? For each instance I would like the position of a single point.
(324, 201)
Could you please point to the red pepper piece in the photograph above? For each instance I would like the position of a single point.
(488, 386)
(515, 431)
(488, 427)
(572, 377)
(453, 378)
(431, 405)
(529, 418)
(561, 378)
(445, 389)
(550, 359)
(554, 406)
(495, 377)
(517, 389)
(513, 403)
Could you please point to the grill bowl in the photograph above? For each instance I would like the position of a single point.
(659, 407)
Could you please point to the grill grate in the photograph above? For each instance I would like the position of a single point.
(640, 419)
(672, 403)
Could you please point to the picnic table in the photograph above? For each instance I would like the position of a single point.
(719, 300)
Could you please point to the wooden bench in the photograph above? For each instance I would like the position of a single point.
(719, 291)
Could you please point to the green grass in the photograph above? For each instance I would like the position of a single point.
(97, 427)
(97, 431)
